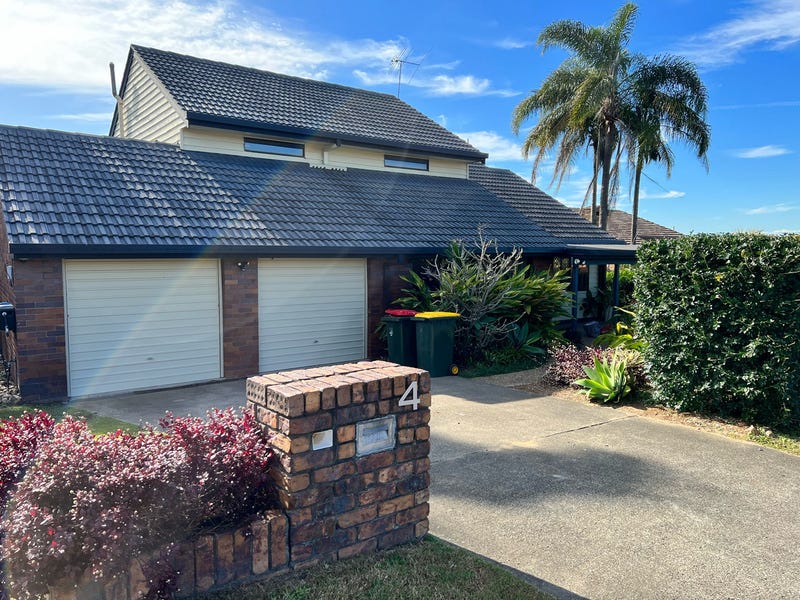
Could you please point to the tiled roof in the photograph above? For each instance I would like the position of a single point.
(230, 94)
(619, 225)
(93, 192)
(549, 213)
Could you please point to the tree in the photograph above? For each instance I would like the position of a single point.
(605, 99)
(668, 101)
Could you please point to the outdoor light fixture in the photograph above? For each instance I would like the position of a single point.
(242, 264)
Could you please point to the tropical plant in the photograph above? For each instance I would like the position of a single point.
(495, 293)
(604, 98)
(607, 381)
(622, 336)
(668, 101)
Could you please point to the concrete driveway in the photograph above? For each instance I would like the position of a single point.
(597, 503)
(148, 407)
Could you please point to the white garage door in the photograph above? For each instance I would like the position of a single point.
(311, 312)
(136, 324)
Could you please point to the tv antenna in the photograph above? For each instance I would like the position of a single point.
(397, 63)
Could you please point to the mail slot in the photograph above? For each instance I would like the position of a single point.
(375, 435)
(8, 317)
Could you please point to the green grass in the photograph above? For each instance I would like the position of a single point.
(97, 423)
(787, 442)
(429, 570)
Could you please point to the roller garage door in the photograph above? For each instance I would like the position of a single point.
(311, 312)
(137, 324)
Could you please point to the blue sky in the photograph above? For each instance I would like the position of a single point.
(478, 60)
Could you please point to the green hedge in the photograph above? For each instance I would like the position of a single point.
(721, 317)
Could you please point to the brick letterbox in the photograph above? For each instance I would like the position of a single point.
(351, 444)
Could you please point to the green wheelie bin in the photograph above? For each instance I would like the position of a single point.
(435, 332)
(401, 336)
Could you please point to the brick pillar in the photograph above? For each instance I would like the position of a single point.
(341, 497)
(240, 317)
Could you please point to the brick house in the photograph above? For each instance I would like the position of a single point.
(237, 221)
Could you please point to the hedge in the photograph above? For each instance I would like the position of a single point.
(721, 317)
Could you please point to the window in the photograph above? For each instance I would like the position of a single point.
(404, 162)
(274, 147)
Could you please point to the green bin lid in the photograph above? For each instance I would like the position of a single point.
(436, 315)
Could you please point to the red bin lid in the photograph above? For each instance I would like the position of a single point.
(400, 312)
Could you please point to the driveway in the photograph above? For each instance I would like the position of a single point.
(597, 503)
(148, 407)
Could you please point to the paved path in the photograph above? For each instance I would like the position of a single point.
(601, 504)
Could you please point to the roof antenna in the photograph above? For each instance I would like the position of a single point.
(397, 63)
(120, 115)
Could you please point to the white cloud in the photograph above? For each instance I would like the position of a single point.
(783, 231)
(645, 195)
(72, 51)
(764, 24)
(769, 209)
(779, 104)
(89, 117)
(762, 152)
(437, 85)
(512, 44)
(495, 145)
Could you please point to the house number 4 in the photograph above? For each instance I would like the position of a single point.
(414, 401)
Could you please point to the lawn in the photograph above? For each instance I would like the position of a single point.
(429, 570)
(97, 423)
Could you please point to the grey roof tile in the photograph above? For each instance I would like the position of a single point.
(227, 93)
(556, 218)
(71, 189)
(619, 225)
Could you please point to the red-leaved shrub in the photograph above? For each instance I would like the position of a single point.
(229, 459)
(566, 363)
(19, 441)
(89, 505)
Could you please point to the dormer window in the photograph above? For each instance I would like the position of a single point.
(274, 147)
(405, 162)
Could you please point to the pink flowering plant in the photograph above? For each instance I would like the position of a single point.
(90, 504)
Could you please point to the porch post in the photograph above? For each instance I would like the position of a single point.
(574, 267)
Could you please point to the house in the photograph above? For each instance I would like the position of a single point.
(239, 221)
(619, 226)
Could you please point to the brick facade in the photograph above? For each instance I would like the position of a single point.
(383, 286)
(239, 318)
(41, 344)
(339, 501)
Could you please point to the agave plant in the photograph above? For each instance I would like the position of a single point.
(607, 381)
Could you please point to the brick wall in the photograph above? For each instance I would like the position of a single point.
(255, 551)
(41, 347)
(9, 342)
(240, 318)
(383, 286)
(340, 503)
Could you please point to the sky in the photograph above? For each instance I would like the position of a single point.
(476, 61)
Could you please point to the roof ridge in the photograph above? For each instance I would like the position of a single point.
(276, 73)
(81, 134)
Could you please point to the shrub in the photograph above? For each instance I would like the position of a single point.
(721, 318)
(607, 380)
(229, 458)
(19, 441)
(495, 293)
(567, 362)
(88, 505)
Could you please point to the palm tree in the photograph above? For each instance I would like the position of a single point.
(584, 93)
(604, 98)
(668, 101)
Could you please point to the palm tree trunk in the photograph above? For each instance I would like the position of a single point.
(635, 210)
(608, 146)
(594, 186)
